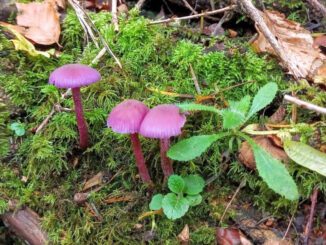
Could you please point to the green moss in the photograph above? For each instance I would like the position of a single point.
(152, 57)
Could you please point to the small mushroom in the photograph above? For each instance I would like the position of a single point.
(75, 76)
(126, 118)
(162, 122)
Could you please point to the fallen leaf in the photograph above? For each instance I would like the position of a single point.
(297, 43)
(228, 236)
(320, 76)
(278, 241)
(183, 237)
(320, 41)
(278, 116)
(21, 43)
(115, 199)
(246, 155)
(96, 180)
(232, 33)
(41, 21)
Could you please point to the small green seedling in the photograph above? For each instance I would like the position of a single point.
(185, 193)
(18, 128)
(272, 171)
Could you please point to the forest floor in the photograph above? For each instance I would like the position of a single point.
(66, 195)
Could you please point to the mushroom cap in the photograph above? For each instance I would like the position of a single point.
(127, 117)
(74, 76)
(163, 121)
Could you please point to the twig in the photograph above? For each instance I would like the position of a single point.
(318, 6)
(304, 104)
(114, 15)
(194, 16)
(288, 228)
(307, 230)
(242, 184)
(194, 78)
(140, 4)
(189, 7)
(86, 21)
(256, 16)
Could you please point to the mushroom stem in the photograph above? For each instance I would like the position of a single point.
(166, 162)
(81, 123)
(140, 161)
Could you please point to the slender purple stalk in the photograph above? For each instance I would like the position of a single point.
(166, 162)
(140, 161)
(81, 123)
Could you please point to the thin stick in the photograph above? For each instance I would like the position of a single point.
(256, 16)
(189, 7)
(307, 231)
(140, 4)
(194, 16)
(114, 15)
(194, 78)
(242, 184)
(288, 228)
(304, 104)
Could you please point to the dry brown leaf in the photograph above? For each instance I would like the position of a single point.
(246, 155)
(115, 199)
(184, 236)
(41, 21)
(296, 41)
(278, 241)
(228, 236)
(96, 180)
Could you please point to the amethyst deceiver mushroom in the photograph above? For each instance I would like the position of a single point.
(126, 118)
(75, 76)
(162, 122)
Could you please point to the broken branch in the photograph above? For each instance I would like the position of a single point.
(305, 104)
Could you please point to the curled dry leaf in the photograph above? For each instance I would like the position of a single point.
(183, 237)
(246, 155)
(296, 42)
(40, 21)
(231, 236)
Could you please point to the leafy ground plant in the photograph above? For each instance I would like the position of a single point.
(272, 171)
(185, 193)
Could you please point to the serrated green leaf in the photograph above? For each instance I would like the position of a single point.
(194, 184)
(176, 183)
(232, 118)
(194, 200)
(242, 105)
(156, 202)
(264, 97)
(306, 156)
(174, 206)
(197, 107)
(235, 115)
(274, 173)
(193, 147)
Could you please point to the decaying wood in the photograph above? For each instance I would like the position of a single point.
(318, 6)
(254, 14)
(114, 15)
(25, 223)
(139, 4)
(217, 11)
(305, 104)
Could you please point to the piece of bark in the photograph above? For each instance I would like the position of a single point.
(25, 223)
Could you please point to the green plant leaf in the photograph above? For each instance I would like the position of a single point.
(156, 202)
(194, 184)
(194, 200)
(235, 115)
(274, 173)
(176, 183)
(174, 206)
(306, 156)
(18, 128)
(264, 97)
(192, 147)
(197, 107)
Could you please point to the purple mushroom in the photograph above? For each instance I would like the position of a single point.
(163, 122)
(75, 76)
(126, 118)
